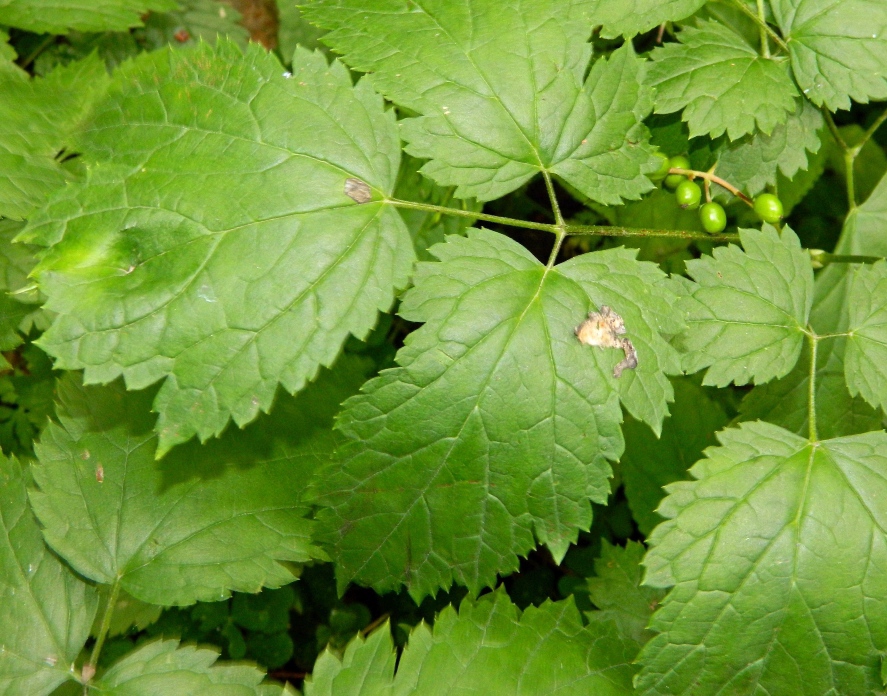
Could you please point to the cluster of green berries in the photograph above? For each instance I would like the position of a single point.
(689, 196)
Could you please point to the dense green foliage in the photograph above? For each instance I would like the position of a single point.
(522, 347)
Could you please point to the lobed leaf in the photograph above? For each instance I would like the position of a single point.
(165, 667)
(838, 48)
(755, 159)
(865, 363)
(496, 429)
(45, 610)
(649, 463)
(489, 646)
(501, 91)
(205, 521)
(60, 16)
(785, 402)
(747, 311)
(213, 245)
(629, 17)
(776, 554)
(38, 121)
(721, 82)
(616, 591)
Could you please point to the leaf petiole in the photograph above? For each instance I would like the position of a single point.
(89, 668)
(568, 230)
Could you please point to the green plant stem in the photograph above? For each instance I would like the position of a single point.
(811, 390)
(568, 230)
(824, 259)
(850, 175)
(608, 231)
(32, 56)
(106, 624)
(762, 25)
(836, 134)
(511, 222)
(558, 217)
(870, 131)
(765, 43)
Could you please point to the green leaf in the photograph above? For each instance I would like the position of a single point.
(629, 17)
(785, 402)
(206, 520)
(59, 16)
(502, 95)
(649, 463)
(18, 311)
(214, 244)
(199, 20)
(865, 363)
(7, 52)
(38, 119)
(488, 647)
(838, 48)
(163, 667)
(616, 591)
(775, 553)
(45, 610)
(754, 160)
(747, 312)
(518, 417)
(869, 165)
(720, 82)
(128, 613)
(294, 31)
(428, 229)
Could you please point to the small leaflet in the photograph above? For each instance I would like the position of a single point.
(606, 329)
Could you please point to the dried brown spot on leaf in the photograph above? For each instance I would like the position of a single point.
(606, 329)
(357, 190)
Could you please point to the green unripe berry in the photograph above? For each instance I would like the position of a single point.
(688, 194)
(769, 208)
(713, 218)
(679, 162)
(662, 171)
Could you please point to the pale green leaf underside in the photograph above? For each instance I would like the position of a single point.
(649, 463)
(488, 647)
(518, 418)
(776, 554)
(204, 521)
(747, 310)
(865, 362)
(755, 159)
(838, 48)
(616, 591)
(60, 16)
(213, 243)
(629, 17)
(501, 91)
(38, 118)
(721, 83)
(45, 610)
(162, 667)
